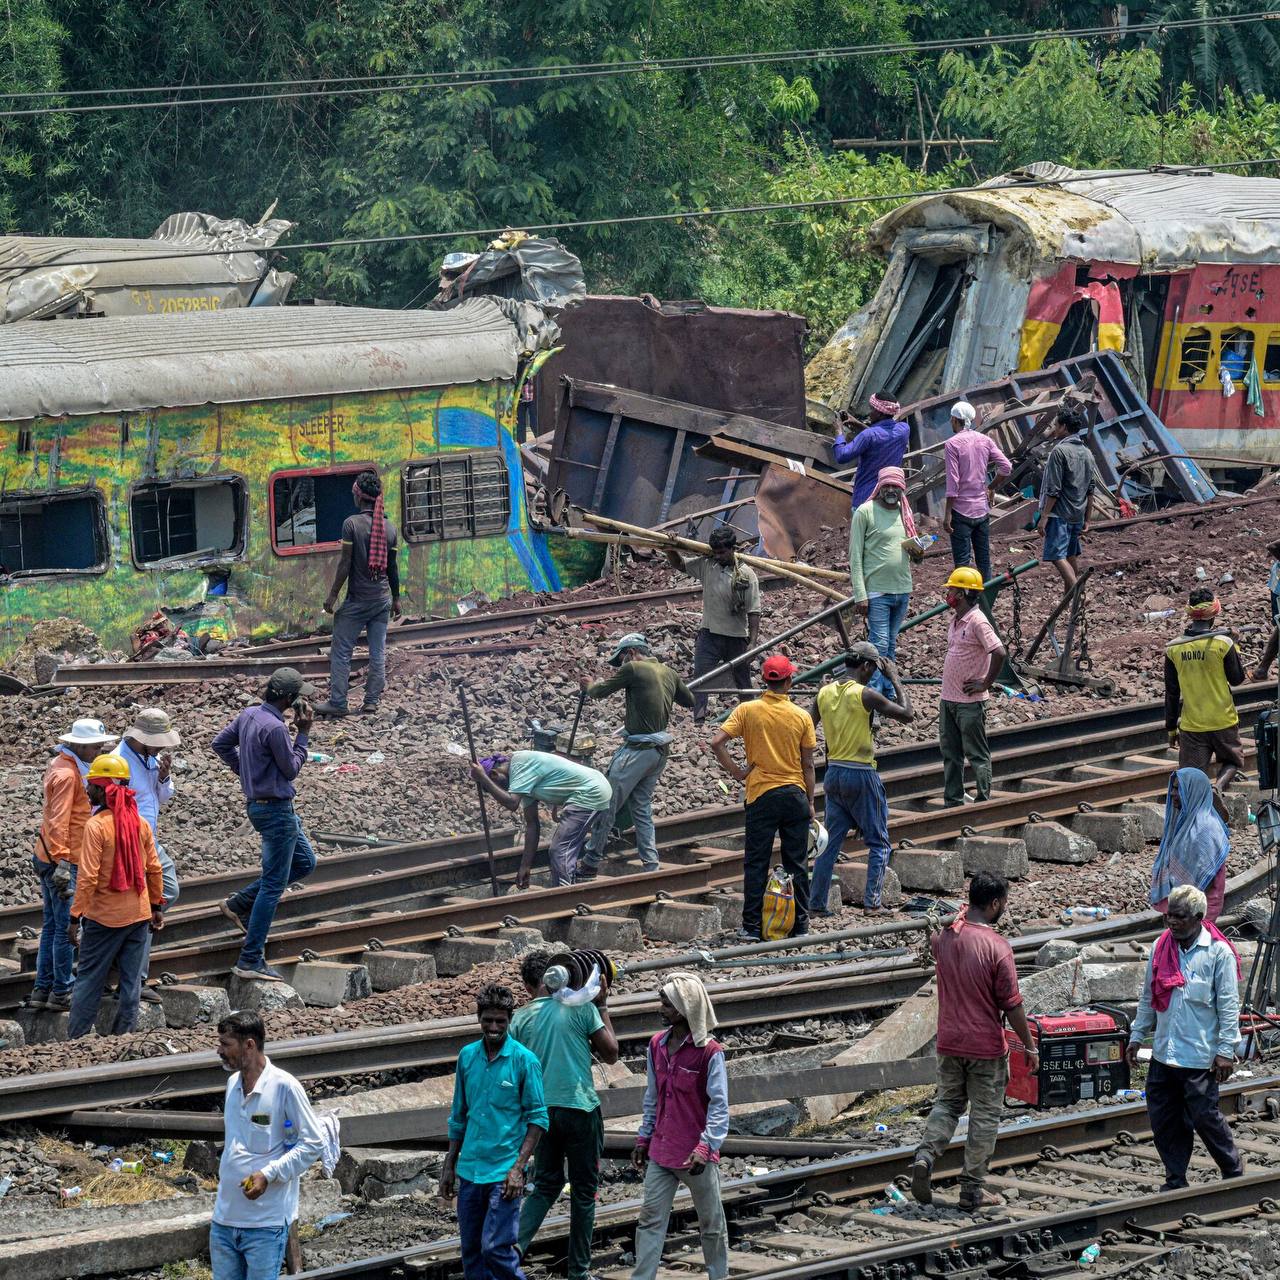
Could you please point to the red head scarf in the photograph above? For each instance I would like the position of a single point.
(129, 871)
(377, 528)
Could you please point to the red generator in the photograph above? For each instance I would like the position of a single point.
(1081, 1058)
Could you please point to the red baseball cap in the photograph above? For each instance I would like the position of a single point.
(778, 667)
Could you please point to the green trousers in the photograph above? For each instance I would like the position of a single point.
(962, 734)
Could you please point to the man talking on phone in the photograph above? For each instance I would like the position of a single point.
(256, 746)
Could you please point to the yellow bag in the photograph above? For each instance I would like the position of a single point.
(779, 915)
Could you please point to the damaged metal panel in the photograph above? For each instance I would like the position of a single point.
(43, 276)
(518, 266)
(736, 361)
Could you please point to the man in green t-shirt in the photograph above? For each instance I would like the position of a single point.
(563, 1036)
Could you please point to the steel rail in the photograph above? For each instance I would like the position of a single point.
(848, 988)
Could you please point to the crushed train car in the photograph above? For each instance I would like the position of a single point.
(158, 462)
(1176, 270)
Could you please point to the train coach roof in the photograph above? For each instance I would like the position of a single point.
(70, 367)
(1160, 220)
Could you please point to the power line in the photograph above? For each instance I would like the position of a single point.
(413, 82)
(690, 215)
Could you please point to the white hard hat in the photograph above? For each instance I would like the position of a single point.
(87, 733)
(963, 410)
(817, 839)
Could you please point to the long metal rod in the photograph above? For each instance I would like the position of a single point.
(484, 808)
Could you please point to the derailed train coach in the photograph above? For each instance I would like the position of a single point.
(1178, 270)
(201, 464)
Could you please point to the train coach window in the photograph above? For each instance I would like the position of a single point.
(1237, 353)
(60, 532)
(186, 519)
(1194, 363)
(308, 507)
(1271, 360)
(458, 495)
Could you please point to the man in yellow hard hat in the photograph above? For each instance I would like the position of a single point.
(974, 658)
(119, 897)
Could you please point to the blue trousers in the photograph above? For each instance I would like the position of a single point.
(247, 1253)
(127, 948)
(353, 617)
(885, 616)
(855, 801)
(487, 1227)
(286, 856)
(56, 957)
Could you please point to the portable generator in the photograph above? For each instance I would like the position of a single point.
(1082, 1056)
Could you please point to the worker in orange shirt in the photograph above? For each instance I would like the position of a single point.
(66, 810)
(119, 898)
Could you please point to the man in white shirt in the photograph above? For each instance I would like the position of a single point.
(145, 749)
(271, 1138)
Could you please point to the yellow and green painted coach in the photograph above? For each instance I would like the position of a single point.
(201, 465)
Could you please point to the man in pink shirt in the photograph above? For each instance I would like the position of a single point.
(977, 991)
(974, 658)
(969, 456)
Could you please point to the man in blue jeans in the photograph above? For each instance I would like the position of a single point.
(497, 1118)
(256, 746)
(367, 564)
(854, 795)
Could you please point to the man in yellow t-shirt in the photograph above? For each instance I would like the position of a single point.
(1200, 668)
(779, 742)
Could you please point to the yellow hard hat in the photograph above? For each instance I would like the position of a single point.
(108, 767)
(965, 578)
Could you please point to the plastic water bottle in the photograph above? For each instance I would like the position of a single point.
(895, 1196)
(290, 1135)
(117, 1165)
(1130, 1095)
(1090, 1255)
(1072, 914)
(1157, 615)
(318, 757)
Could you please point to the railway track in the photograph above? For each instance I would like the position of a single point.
(1069, 1180)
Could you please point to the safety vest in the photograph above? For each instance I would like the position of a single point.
(1207, 704)
(846, 723)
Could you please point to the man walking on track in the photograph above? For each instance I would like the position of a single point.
(972, 665)
(779, 741)
(367, 564)
(977, 991)
(854, 795)
(256, 746)
(730, 611)
(968, 457)
(1191, 1006)
(652, 688)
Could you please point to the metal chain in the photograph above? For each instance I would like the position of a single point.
(1015, 634)
(1084, 662)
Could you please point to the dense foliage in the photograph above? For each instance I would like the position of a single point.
(396, 160)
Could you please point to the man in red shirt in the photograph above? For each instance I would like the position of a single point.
(977, 991)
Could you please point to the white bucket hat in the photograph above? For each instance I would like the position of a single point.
(87, 733)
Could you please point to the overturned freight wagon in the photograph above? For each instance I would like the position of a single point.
(202, 464)
(1177, 270)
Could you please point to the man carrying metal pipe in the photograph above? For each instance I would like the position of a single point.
(730, 611)
(854, 795)
(779, 777)
(651, 689)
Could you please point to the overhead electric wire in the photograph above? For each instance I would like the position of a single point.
(642, 218)
(412, 82)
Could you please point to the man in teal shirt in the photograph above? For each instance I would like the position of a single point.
(564, 1035)
(497, 1118)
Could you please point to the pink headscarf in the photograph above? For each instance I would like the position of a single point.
(896, 478)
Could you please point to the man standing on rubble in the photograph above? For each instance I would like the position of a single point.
(974, 659)
(1200, 668)
(564, 1035)
(882, 443)
(854, 795)
(969, 456)
(730, 611)
(367, 564)
(57, 853)
(651, 689)
(779, 742)
(1066, 496)
(256, 746)
(977, 991)
(575, 790)
(1190, 1009)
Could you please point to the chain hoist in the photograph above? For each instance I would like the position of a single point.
(1084, 662)
(1015, 633)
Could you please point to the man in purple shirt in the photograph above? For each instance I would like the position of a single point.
(883, 443)
(257, 747)
(969, 455)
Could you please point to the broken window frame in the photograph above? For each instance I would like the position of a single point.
(351, 469)
(240, 489)
(1200, 333)
(1229, 337)
(410, 526)
(50, 497)
(1270, 340)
